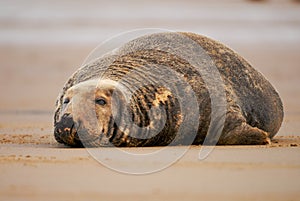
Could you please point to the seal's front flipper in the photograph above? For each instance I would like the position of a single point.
(245, 134)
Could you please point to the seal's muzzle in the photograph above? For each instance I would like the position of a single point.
(65, 131)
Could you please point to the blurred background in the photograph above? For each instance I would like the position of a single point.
(43, 42)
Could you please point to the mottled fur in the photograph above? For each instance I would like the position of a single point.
(254, 110)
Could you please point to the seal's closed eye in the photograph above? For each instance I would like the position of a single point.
(100, 101)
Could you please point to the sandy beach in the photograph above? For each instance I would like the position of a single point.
(43, 43)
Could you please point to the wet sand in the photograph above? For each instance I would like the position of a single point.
(33, 166)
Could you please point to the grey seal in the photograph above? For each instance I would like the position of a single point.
(92, 105)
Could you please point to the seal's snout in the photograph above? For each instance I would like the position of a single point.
(68, 119)
(65, 131)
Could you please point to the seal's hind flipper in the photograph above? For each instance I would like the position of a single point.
(245, 134)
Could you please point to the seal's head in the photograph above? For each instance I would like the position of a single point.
(86, 114)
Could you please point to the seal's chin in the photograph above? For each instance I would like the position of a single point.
(86, 138)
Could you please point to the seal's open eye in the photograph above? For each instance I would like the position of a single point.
(100, 101)
(66, 101)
